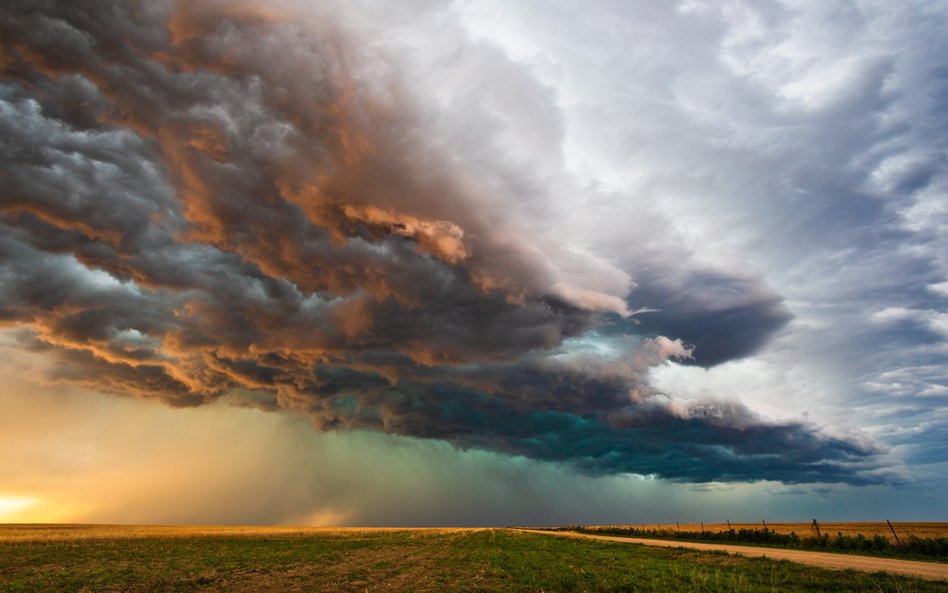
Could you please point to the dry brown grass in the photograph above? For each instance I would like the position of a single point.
(24, 532)
(904, 529)
(39, 532)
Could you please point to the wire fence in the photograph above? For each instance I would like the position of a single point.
(872, 538)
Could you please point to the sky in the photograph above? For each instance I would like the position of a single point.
(473, 263)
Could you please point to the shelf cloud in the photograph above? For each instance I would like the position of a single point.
(289, 208)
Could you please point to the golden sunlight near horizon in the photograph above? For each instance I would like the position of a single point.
(31, 508)
(27, 508)
(12, 507)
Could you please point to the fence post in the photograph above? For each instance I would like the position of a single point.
(894, 533)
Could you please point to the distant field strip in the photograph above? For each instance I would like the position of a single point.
(869, 529)
(926, 570)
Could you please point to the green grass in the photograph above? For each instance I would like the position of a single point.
(931, 549)
(494, 560)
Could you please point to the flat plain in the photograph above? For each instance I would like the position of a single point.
(932, 570)
(868, 529)
(79, 558)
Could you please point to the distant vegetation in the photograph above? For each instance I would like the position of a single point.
(184, 560)
(911, 547)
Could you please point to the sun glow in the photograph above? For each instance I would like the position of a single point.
(10, 506)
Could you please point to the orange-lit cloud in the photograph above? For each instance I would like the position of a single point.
(226, 201)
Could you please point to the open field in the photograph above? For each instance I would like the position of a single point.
(903, 529)
(38, 532)
(849, 538)
(153, 559)
(937, 571)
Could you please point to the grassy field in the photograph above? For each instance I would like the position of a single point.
(848, 538)
(86, 559)
(869, 530)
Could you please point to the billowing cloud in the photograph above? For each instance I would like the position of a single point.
(279, 205)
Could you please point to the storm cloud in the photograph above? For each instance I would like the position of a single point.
(274, 206)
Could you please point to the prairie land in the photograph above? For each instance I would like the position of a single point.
(78, 558)
(909, 541)
(868, 529)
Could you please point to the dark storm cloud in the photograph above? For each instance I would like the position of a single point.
(721, 316)
(223, 199)
(563, 414)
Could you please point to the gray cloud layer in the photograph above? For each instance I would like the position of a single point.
(235, 200)
(803, 138)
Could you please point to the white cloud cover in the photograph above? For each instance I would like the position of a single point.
(802, 140)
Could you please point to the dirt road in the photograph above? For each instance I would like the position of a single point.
(933, 571)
